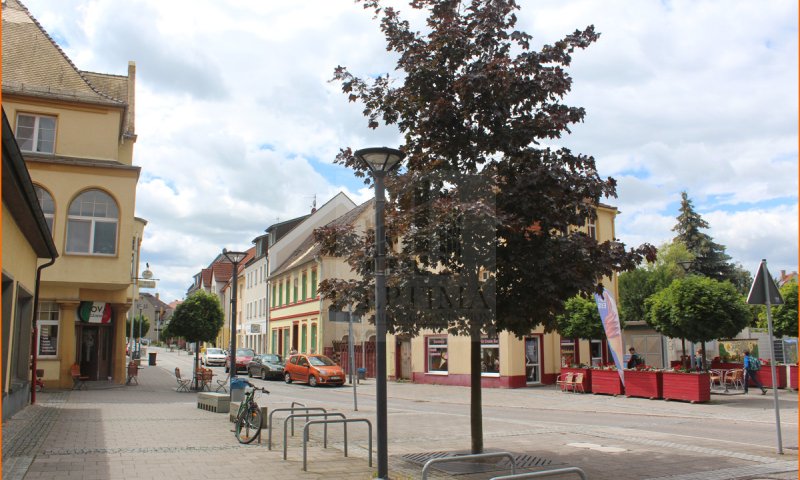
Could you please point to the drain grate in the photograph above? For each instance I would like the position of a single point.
(467, 466)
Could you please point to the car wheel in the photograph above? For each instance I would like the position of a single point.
(312, 381)
(263, 374)
(288, 377)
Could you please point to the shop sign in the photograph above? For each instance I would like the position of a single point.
(94, 312)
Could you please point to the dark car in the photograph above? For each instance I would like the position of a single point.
(266, 366)
(243, 357)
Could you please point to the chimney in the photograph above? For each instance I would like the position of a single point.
(156, 295)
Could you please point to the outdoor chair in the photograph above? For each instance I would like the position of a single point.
(564, 381)
(133, 373)
(577, 383)
(735, 379)
(223, 384)
(183, 383)
(78, 380)
(715, 378)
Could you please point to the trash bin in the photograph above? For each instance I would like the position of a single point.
(151, 359)
(237, 389)
(362, 373)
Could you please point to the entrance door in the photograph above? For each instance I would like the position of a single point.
(533, 366)
(405, 359)
(94, 350)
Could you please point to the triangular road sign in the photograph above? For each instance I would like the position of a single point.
(756, 295)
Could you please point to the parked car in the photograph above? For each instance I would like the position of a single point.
(313, 369)
(243, 357)
(213, 356)
(266, 366)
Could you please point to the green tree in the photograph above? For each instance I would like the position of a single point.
(784, 317)
(486, 214)
(581, 319)
(145, 325)
(698, 309)
(197, 319)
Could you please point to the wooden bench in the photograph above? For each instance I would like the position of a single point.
(214, 402)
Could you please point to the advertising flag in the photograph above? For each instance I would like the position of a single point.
(610, 318)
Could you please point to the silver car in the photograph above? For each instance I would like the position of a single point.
(213, 356)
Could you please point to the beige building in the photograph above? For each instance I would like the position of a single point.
(76, 132)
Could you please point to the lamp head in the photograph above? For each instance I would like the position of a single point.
(234, 257)
(380, 159)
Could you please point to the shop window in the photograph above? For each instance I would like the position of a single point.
(36, 133)
(596, 352)
(490, 357)
(92, 224)
(568, 353)
(437, 354)
(47, 204)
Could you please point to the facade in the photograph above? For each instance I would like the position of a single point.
(28, 248)
(76, 133)
(254, 298)
(156, 312)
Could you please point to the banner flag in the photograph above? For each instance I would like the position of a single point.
(94, 312)
(610, 317)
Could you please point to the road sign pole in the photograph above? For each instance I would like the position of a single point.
(767, 279)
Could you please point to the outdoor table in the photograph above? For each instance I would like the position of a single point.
(203, 379)
(722, 373)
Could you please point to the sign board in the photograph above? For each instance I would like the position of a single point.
(255, 328)
(94, 312)
(757, 291)
(147, 284)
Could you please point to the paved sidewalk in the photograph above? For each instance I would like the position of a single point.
(150, 431)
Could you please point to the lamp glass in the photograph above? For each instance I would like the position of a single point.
(234, 257)
(381, 159)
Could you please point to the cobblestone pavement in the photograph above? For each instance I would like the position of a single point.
(150, 431)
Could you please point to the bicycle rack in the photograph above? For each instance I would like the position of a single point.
(474, 456)
(325, 435)
(345, 422)
(293, 409)
(546, 473)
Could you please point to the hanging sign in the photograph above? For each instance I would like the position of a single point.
(94, 312)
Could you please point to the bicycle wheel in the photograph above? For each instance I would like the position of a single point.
(248, 425)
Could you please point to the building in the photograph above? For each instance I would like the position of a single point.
(156, 312)
(28, 248)
(75, 130)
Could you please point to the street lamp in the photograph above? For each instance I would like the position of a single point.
(380, 161)
(139, 345)
(235, 258)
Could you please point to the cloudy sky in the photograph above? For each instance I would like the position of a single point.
(238, 124)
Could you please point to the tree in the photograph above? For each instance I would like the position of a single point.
(581, 319)
(784, 317)
(197, 319)
(698, 309)
(145, 323)
(483, 218)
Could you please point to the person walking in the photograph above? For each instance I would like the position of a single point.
(750, 369)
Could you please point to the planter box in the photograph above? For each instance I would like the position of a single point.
(587, 376)
(765, 375)
(792, 376)
(727, 365)
(689, 387)
(645, 384)
(607, 382)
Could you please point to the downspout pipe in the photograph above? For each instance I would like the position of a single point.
(35, 329)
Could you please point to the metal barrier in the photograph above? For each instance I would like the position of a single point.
(325, 436)
(546, 473)
(474, 456)
(293, 409)
(345, 422)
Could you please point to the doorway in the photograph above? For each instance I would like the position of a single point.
(533, 364)
(403, 359)
(93, 350)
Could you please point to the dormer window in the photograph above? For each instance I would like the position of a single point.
(36, 133)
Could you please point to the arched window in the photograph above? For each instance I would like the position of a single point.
(92, 224)
(47, 204)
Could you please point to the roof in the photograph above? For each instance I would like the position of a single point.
(309, 248)
(34, 64)
(153, 300)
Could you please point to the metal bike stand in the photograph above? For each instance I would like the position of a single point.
(546, 473)
(293, 409)
(345, 422)
(326, 415)
(474, 456)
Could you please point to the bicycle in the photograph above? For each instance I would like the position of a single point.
(248, 418)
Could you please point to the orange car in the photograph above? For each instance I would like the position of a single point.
(314, 369)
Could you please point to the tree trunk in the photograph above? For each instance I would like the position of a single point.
(476, 409)
(683, 355)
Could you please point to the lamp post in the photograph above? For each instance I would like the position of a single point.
(235, 258)
(380, 161)
(139, 345)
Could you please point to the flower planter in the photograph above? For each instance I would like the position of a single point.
(689, 387)
(792, 377)
(765, 375)
(587, 376)
(642, 383)
(607, 382)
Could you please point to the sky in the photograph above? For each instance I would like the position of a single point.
(238, 123)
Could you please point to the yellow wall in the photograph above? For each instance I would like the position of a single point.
(19, 259)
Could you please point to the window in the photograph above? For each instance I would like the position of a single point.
(92, 224)
(313, 338)
(596, 352)
(275, 298)
(48, 329)
(48, 207)
(313, 284)
(490, 357)
(287, 292)
(591, 228)
(568, 353)
(280, 294)
(36, 133)
(294, 291)
(437, 354)
(305, 291)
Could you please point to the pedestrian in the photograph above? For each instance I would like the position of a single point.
(698, 359)
(634, 360)
(750, 373)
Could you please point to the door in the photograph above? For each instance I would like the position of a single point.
(405, 359)
(104, 352)
(88, 358)
(533, 366)
(303, 369)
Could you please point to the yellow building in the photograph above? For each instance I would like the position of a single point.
(76, 133)
(26, 240)
(507, 361)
